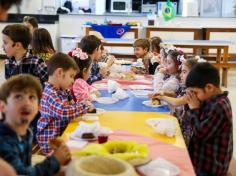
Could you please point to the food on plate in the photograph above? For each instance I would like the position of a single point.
(156, 101)
(93, 111)
(87, 136)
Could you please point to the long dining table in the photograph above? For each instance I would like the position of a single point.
(127, 118)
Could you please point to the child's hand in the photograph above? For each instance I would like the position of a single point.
(192, 100)
(61, 152)
(162, 70)
(158, 95)
(97, 93)
(103, 71)
(111, 59)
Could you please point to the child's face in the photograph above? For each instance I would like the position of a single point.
(155, 52)
(97, 53)
(8, 46)
(20, 108)
(86, 73)
(204, 93)
(66, 79)
(184, 73)
(140, 52)
(171, 66)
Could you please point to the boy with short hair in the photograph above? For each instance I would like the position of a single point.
(211, 145)
(19, 103)
(141, 50)
(57, 106)
(92, 46)
(16, 39)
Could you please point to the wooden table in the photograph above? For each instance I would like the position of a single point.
(209, 31)
(208, 44)
(196, 31)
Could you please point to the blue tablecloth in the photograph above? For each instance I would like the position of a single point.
(109, 31)
(132, 103)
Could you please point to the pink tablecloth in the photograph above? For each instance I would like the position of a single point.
(140, 80)
(176, 155)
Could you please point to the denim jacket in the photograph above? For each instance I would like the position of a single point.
(17, 151)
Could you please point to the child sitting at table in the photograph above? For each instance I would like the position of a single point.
(141, 51)
(57, 107)
(174, 60)
(107, 58)
(42, 44)
(92, 46)
(155, 49)
(177, 100)
(210, 114)
(19, 102)
(81, 89)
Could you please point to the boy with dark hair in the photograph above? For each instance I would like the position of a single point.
(141, 50)
(19, 103)
(5, 6)
(92, 46)
(16, 39)
(57, 107)
(210, 113)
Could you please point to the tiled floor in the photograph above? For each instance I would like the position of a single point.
(231, 88)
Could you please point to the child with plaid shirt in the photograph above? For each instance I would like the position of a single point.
(57, 106)
(16, 39)
(92, 46)
(19, 99)
(210, 113)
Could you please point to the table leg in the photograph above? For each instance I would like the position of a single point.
(224, 69)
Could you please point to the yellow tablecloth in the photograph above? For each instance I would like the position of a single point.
(133, 122)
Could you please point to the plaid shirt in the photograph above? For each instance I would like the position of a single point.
(94, 75)
(29, 64)
(211, 145)
(17, 151)
(57, 110)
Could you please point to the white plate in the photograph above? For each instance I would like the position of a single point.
(141, 93)
(139, 87)
(106, 100)
(100, 85)
(75, 137)
(159, 167)
(149, 103)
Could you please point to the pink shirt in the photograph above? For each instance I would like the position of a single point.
(82, 89)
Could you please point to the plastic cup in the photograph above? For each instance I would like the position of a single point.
(102, 138)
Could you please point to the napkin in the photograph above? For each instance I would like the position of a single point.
(163, 126)
(120, 94)
(112, 86)
(87, 128)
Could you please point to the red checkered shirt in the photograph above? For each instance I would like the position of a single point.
(56, 112)
(211, 146)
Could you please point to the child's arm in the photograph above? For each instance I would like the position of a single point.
(64, 110)
(81, 90)
(49, 166)
(213, 119)
(180, 101)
